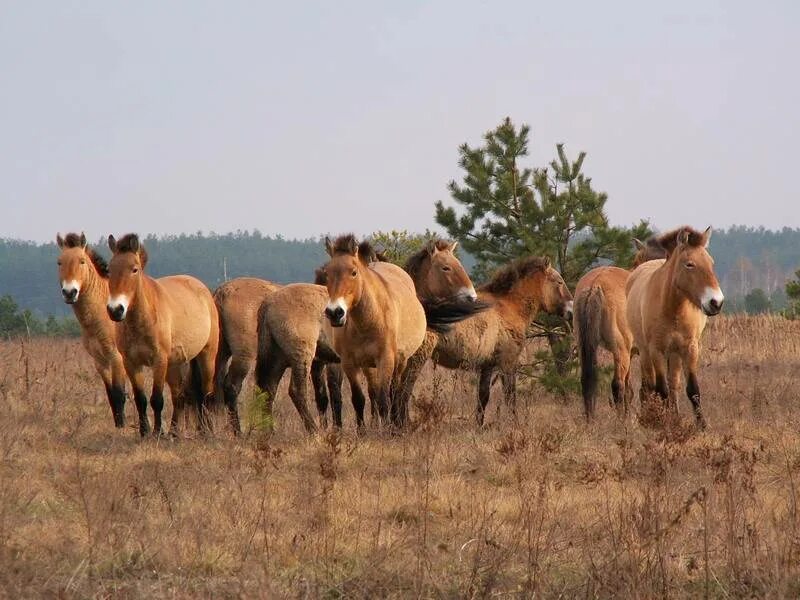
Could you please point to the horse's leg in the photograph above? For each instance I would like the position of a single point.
(371, 375)
(660, 367)
(385, 374)
(691, 358)
(269, 371)
(136, 375)
(179, 380)
(334, 377)
(298, 392)
(117, 393)
(620, 383)
(320, 391)
(484, 388)
(356, 394)
(648, 375)
(510, 390)
(105, 374)
(395, 388)
(675, 367)
(411, 374)
(205, 362)
(236, 373)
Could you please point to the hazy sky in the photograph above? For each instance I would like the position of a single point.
(304, 118)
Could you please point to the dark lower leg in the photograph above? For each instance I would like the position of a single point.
(484, 387)
(335, 390)
(693, 392)
(140, 398)
(320, 391)
(157, 404)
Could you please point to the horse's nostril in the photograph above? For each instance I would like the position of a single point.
(339, 312)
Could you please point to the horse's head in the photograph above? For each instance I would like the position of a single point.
(647, 251)
(437, 272)
(344, 275)
(694, 269)
(125, 274)
(74, 265)
(556, 297)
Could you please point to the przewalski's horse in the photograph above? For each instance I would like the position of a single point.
(169, 324)
(494, 338)
(600, 322)
(668, 302)
(238, 302)
(293, 334)
(84, 285)
(378, 321)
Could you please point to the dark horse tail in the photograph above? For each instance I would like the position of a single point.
(441, 314)
(195, 391)
(587, 324)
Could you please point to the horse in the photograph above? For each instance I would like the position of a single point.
(238, 302)
(293, 334)
(600, 321)
(495, 338)
(83, 274)
(378, 321)
(170, 325)
(668, 302)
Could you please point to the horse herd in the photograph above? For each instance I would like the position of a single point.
(364, 317)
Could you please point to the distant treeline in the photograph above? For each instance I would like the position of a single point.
(746, 258)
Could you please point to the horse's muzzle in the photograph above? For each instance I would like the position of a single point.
(116, 313)
(336, 316)
(713, 307)
(70, 295)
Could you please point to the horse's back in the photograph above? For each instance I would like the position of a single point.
(238, 302)
(408, 312)
(294, 316)
(188, 309)
(472, 342)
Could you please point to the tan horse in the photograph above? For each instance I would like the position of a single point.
(494, 339)
(378, 321)
(600, 322)
(668, 302)
(84, 285)
(169, 324)
(238, 302)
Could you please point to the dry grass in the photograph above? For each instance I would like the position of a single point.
(542, 505)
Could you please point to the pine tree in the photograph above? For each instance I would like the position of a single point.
(793, 297)
(509, 210)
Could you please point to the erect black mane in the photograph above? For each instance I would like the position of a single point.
(506, 277)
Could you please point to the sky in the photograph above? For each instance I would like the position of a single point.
(308, 118)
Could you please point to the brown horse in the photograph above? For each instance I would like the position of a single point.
(238, 302)
(668, 303)
(169, 324)
(600, 321)
(377, 318)
(494, 339)
(84, 285)
(293, 334)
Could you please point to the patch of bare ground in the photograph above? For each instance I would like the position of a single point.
(538, 505)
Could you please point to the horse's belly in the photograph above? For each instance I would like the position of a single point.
(466, 347)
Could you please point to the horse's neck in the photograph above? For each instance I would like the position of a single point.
(141, 314)
(672, 299)
(525, 305)
(90, 309)
(367, 314)
(420, 279)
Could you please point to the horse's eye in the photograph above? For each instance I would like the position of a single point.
(83, 262)
(689, 265)
(58, 262)
(354, 273)
(446, 268)
(135, 270)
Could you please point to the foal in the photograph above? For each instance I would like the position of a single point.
(668, 303)
(494, 339)
(84, 285)
(169, 324)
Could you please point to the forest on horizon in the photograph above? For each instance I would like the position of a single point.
(747, 258)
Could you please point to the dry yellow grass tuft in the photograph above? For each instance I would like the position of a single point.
(539, 505)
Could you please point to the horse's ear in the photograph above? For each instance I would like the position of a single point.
(60, 241)
(453, 247)
(112, 243)
(134, 244)
(430, 247)
(639, 244)
(353, 248)
(547, 263)
(328, 246)
(83, 240)
(683, 237)
(706, 237)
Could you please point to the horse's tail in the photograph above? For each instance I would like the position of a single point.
(221, 365)
(324, 352)
(441, 314)
(196, 391)
(262, 350)
(588, 310)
